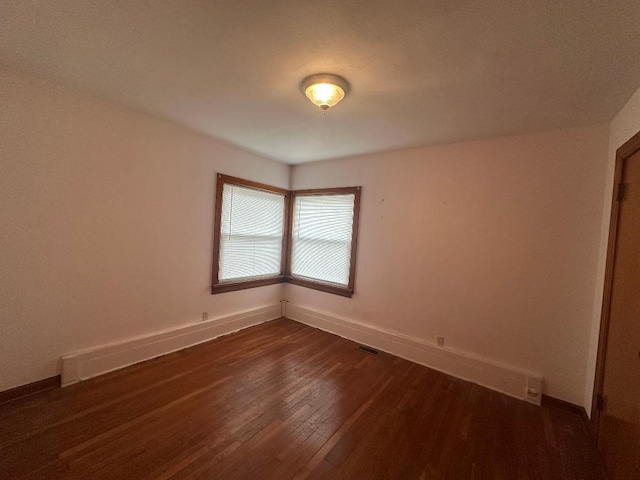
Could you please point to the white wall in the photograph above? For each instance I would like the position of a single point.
(105, 225)
(493, 244)
(624, 126)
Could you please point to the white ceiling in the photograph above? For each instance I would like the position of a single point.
(422, 72)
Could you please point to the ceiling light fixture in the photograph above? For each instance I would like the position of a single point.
(324, 89)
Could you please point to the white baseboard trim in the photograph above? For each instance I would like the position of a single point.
(106, 358)
(502, 378)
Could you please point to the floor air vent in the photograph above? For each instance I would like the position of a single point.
(369, 350)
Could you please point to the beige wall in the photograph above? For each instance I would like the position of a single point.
(493, 244)
(624, 126)
(105, 225)
(105, 221)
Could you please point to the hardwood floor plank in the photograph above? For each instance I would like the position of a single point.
(89, 397)
(280, 401)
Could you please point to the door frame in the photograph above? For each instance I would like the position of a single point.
(622, 154)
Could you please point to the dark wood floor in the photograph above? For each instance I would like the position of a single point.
(283, 400)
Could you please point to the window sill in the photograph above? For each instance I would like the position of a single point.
(324, 287)
(242, 285)
(302, 282)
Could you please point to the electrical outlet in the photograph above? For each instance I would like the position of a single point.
(534, 390)
(440, 341)
(205, 316)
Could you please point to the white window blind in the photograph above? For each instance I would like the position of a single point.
(251, 231)
(321, 241)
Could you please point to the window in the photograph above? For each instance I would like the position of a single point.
(266, 235)
(324, 226)
(249, 237)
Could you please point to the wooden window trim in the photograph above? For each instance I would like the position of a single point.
(285, 265)
(222, 287)
(244, 284)
(318, 284)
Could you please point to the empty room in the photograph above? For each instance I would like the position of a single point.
(320, 239)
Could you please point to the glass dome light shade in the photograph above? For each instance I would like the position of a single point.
(324, 90)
